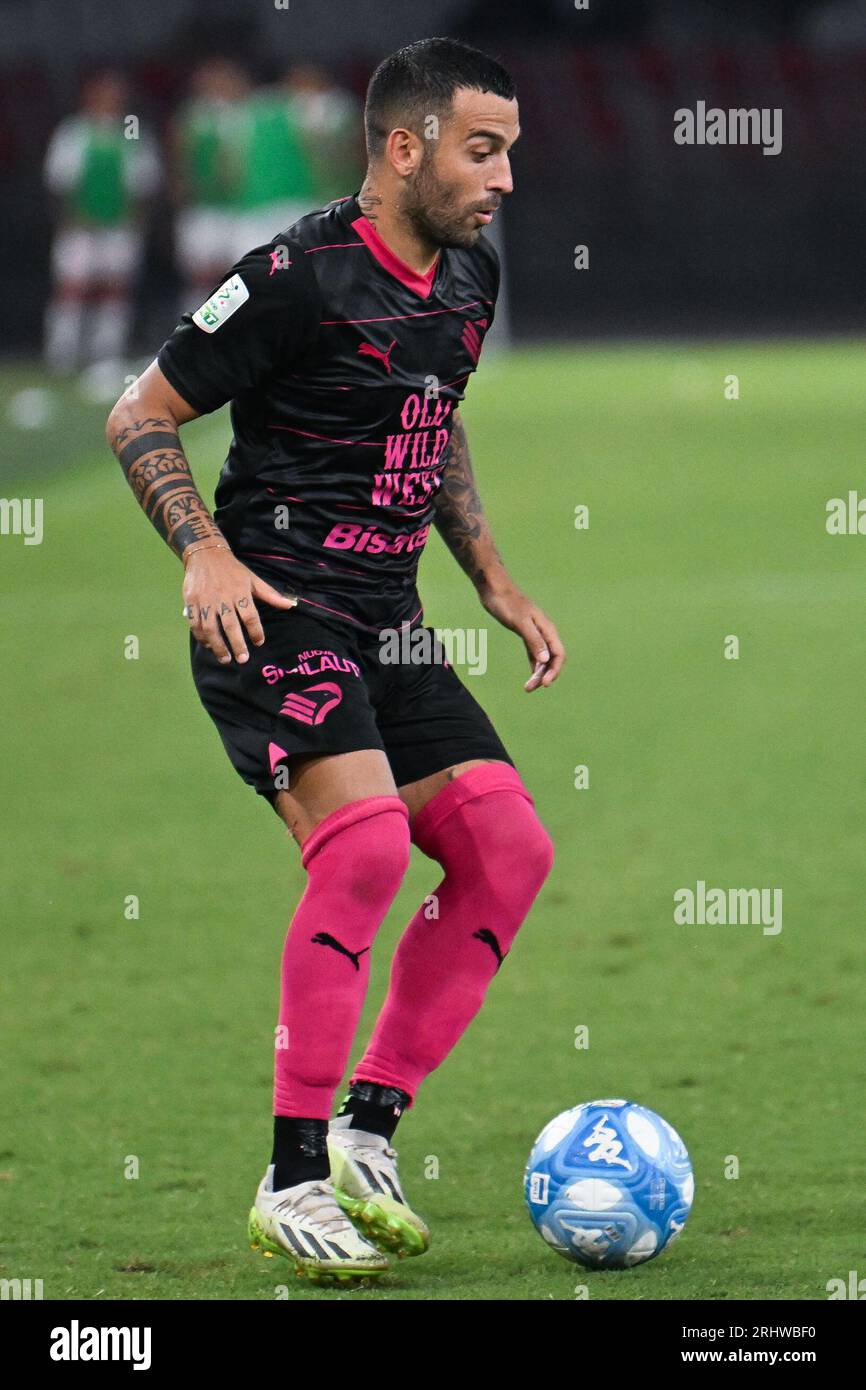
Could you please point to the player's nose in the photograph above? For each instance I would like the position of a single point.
(501, 180)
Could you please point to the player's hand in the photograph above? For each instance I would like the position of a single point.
(515, 610)
(219, 594)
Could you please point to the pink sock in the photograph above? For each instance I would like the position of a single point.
(355, 859)
(496, 854)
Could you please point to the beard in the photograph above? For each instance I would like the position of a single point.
(431, 207)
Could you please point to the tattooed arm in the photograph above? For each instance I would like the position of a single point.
(218, 591)
(460, 520)
(143, 432)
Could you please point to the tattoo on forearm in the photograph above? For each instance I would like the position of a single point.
(459, 515)
(156, 469)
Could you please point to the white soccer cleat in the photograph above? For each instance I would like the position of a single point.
(366, 1184)
(306, 1225)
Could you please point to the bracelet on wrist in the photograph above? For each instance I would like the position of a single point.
(203, 545)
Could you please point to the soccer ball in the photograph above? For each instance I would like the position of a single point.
(609, 1184)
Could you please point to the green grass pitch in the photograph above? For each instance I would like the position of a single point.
(153, 1037)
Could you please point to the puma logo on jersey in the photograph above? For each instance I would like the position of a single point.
(279, 260)
(298, 705)
(471, 337)
(323, 938)
(486, 935)
(370, 350)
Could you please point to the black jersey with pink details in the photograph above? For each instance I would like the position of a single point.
(344, 368)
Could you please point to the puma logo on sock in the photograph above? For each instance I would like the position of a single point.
(486, 935)
(323, 938)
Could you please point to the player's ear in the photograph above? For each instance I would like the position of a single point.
(403, 151)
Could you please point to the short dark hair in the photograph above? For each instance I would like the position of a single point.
(421, 80)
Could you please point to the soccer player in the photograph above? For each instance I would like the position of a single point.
(100, 169)
(331, 124)
(276, 183)
(206, 167)
(345, 347)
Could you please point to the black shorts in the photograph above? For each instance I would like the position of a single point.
(315, 687)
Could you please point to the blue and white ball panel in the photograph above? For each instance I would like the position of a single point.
(609, 1184)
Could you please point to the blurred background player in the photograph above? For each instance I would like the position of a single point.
(100, 168)
(273, 172)
(330, 120)
(207, 143)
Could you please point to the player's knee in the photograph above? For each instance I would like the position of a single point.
(534, 850)
(382, 866)
(518, 852)
(362, 850)
(500, 828)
